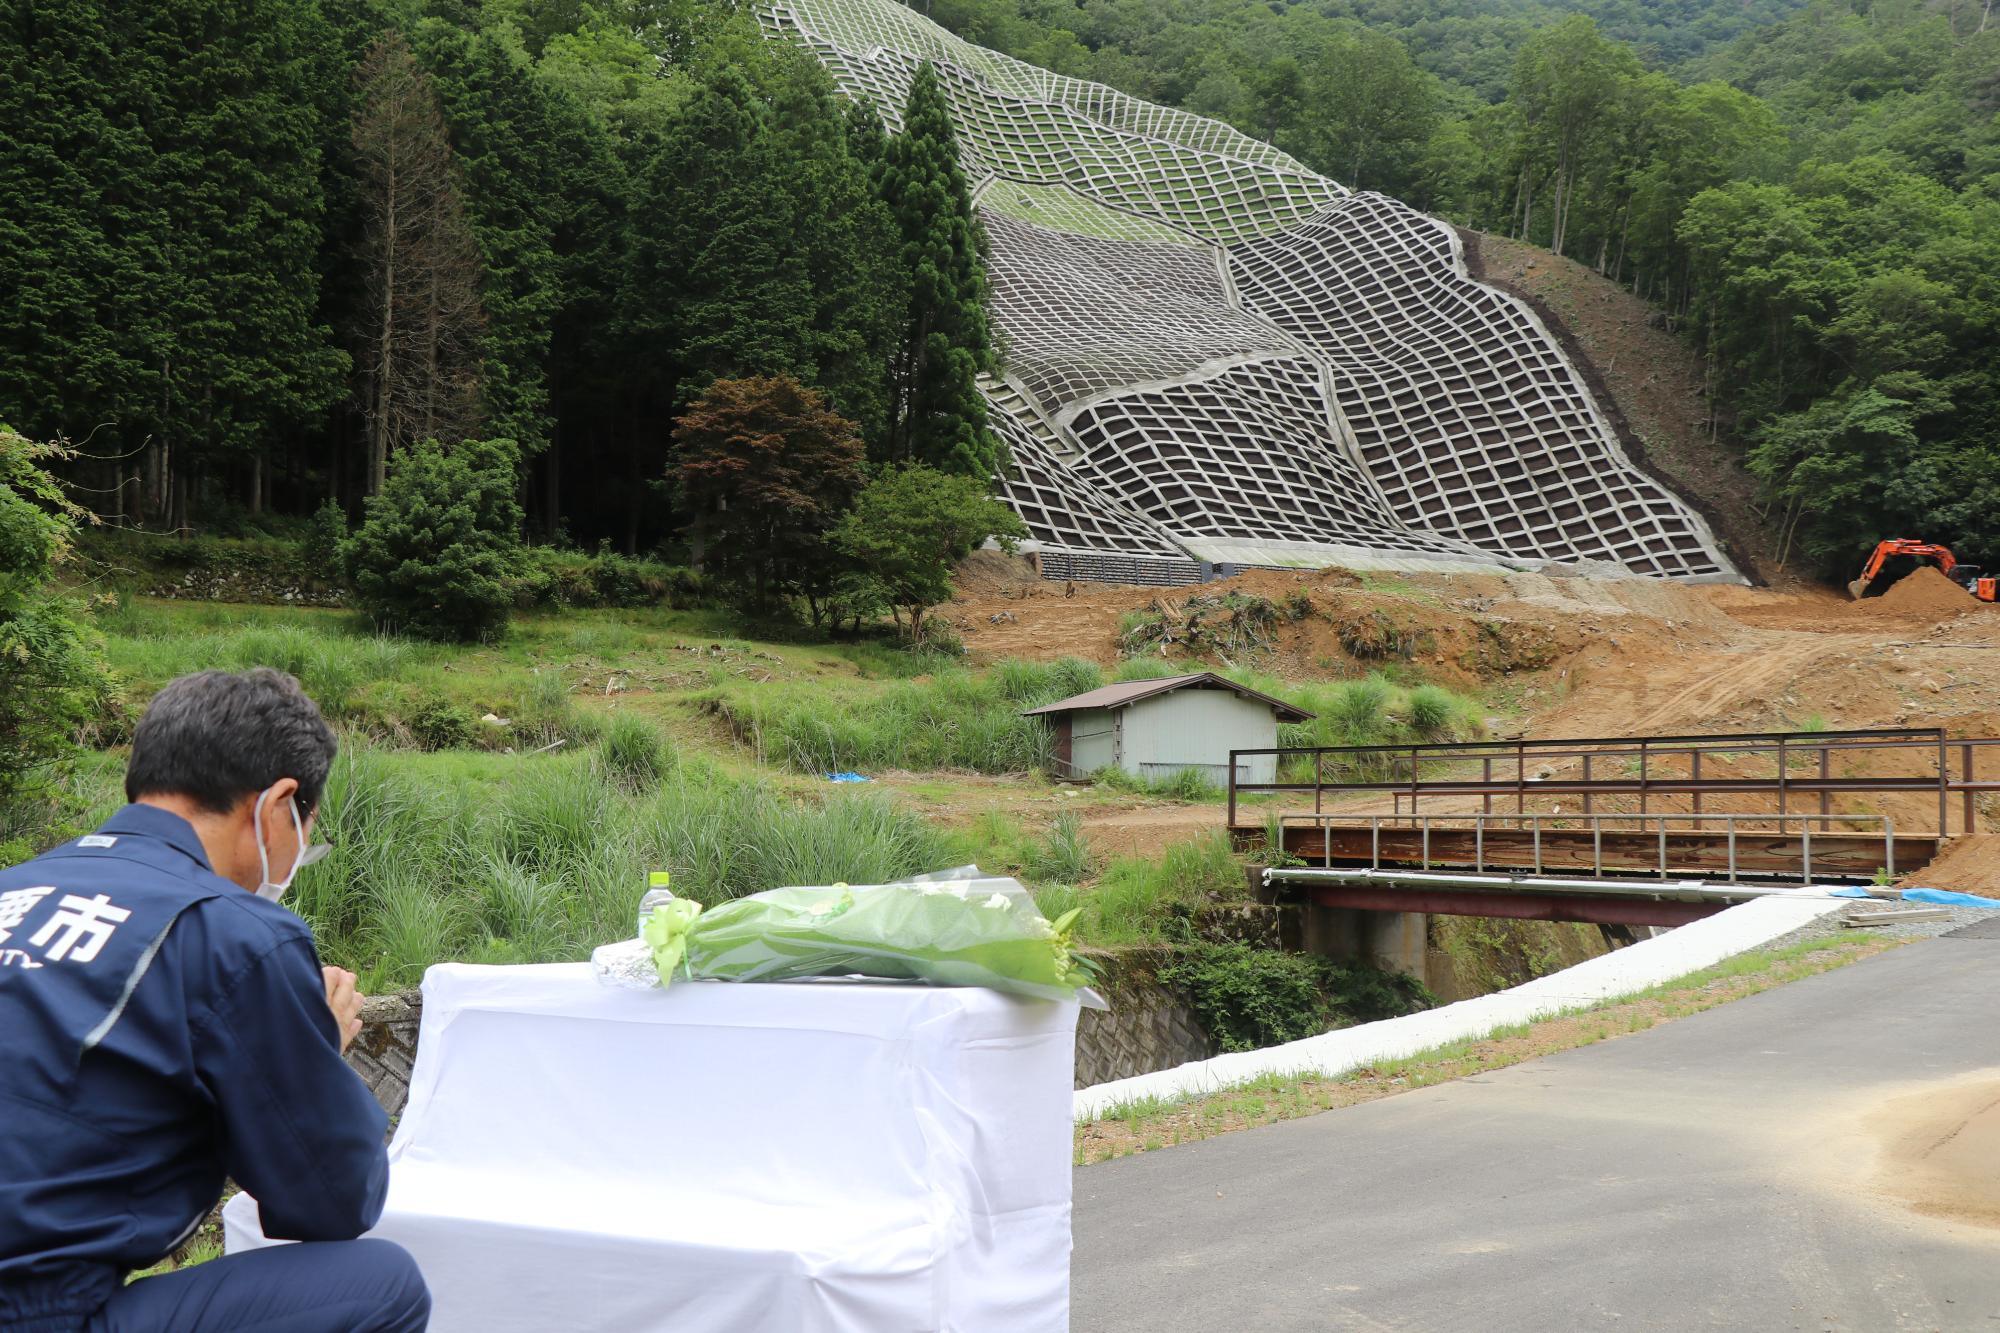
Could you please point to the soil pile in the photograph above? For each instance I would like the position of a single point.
(1940, 1152)
(1969, 865)
(1925, 592)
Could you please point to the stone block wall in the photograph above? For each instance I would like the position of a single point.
(387, 1048)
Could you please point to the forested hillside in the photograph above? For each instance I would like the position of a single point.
(253, 249)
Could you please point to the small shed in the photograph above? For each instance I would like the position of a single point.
(1154, 729)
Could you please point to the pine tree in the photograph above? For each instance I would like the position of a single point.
(417, 335)
(937, 416)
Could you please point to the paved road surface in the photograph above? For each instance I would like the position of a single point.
(1691, 1176)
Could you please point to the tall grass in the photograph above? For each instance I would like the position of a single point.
(530, 859)
(1140, 899)
(1063, 855)
(953, 719)
(330, 655)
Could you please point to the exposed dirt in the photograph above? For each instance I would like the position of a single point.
(1575, 657)
(1570, 657)
(1969, 865)
(1939, 1150)
(1648, 380)
(1925, 593)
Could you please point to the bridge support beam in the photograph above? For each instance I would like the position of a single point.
(1364, 899)
(1392, 941)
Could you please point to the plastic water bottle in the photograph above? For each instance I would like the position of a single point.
(656, 893)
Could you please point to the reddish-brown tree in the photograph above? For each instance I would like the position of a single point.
(764, 471)
(418, 346)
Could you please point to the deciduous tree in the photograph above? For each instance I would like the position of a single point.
(764, 470)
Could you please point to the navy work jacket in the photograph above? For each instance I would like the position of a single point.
(161, 1028)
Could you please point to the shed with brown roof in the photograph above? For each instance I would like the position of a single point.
(1155, 729)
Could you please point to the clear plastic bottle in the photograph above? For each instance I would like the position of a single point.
(656, 893)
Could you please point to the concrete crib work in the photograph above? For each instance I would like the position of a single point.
(1218, 357)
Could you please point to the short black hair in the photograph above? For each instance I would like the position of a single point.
(216, 736)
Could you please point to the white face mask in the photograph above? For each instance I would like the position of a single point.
(304, 857)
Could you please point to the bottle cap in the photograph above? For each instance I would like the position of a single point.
(657, 879)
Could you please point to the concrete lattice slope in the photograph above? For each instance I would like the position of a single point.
(1216, 355)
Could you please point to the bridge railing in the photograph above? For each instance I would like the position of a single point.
(1731, 826)
(1704, 773)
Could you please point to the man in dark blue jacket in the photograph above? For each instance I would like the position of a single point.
(164, 1023)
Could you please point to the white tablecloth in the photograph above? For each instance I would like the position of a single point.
(823, 1156)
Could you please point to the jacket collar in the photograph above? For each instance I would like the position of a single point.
(150, 821)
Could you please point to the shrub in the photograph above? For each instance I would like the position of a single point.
(439, 550)
(1431, 712)
(552, 577)
(320, 547)
(52, 672)
(910, 527)
(1249, 998)
(634, 752)
(439, 724)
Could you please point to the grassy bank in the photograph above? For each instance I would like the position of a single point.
(504, 801)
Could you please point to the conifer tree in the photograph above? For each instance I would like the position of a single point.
(497, 110)
(937, 416)
(417, 335)
(235, 170)
(718, 272)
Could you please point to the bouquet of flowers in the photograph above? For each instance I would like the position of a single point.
(966, 930)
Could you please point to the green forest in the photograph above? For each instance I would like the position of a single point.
(257, 251)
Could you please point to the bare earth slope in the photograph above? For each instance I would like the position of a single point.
(1646, 378)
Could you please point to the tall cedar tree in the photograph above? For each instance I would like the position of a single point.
(499, 118)
(718, 275)
(846, 237)
(235, 158)
(78, 237)
(936, 413)
(417, 332)
(765, 471)
(159, 256)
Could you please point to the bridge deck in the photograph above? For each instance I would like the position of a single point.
(1708, 854)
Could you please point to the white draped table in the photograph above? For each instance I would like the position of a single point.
(795, 1158)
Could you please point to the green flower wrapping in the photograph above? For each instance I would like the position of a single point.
(946, 934)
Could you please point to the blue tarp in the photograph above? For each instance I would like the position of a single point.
(1948, 898)
(847, 777)
(1943, 896)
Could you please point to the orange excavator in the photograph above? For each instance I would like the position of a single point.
(1900, 557)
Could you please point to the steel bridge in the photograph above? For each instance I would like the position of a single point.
(1651, 830)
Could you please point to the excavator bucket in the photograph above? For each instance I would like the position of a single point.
(1859, 588)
